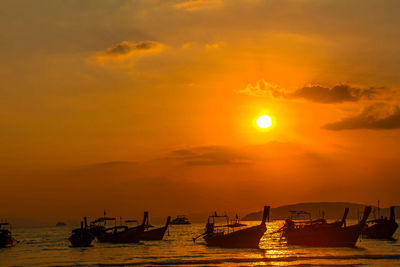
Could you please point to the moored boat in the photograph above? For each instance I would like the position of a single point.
(382, 228)
(81, 237)
(322, 234)
(154, 234)
(123, 233)
(236, 222)
(6, 239)
(180, 219)
(223, 236)
(98, 226)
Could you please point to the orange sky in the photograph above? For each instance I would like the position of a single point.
(133, 105)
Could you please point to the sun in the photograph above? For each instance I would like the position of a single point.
(264, 121)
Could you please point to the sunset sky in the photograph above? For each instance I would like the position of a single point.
(152, 105)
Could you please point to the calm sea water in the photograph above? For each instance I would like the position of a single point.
(50, 247)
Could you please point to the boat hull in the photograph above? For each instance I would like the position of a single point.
(130, 235)
(245, 238)
(381, 230)
(82, 239)
(324, 236)
(97, 230)
(155, 234)
(6, 241)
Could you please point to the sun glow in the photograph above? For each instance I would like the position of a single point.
(264, 121)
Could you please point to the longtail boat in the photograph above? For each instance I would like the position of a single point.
(243, 238)
(154, 234)
(236, 222)
(322, 234)
(6, 239)
(382, 228)
(81, 237)
(98, 226)
(123, 233)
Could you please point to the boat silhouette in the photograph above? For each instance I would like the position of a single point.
(123, 233)
(6, 239)
(222, 236)
(382, 228)
(98, 226)
(319, 233)
(180, 219)
(154, 234)
(81, 237)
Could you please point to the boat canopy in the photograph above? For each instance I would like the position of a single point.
(117, 227)
(299, 215)
(103, 219)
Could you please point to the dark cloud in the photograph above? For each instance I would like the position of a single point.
(124, 48)
(315, 93)
(377, 117)
(336, 94)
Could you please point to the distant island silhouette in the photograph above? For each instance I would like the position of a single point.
(331, 210)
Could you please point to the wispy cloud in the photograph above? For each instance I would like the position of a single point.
(125, 50)
(214, 45)
(228, 155)
(191, 5)
(377, 117)
(263, 89)
(210, 155)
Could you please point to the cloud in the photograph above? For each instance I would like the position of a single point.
(125, 49)
(214, 45)
(210, 155)
(114, 163)
(378, 117)
(191, 5)
(263, 88)
(337, 94)
(227, 155)
(315, 93)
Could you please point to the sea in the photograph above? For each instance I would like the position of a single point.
(50, 247)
